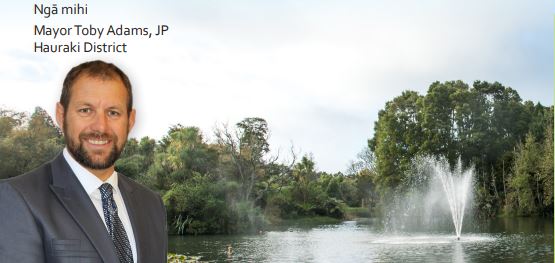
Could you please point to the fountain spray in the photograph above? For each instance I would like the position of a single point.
(456, 184)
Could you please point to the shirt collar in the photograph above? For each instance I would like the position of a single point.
(88, 180)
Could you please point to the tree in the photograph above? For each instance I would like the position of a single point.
(10, 120)
(546, 165)
(246, 149)
(363, 169)
(397, 138)
(27, 143)
(524, 184)
(303, 174)
(182, 153)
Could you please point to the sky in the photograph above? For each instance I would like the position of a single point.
(317, 71)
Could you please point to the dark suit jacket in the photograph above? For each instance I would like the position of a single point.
(46, 216)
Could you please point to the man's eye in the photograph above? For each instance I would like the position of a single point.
(85, 110)
(113, 113)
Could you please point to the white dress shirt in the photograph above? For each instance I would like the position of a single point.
(91, 183)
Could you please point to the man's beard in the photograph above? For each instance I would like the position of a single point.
(83, 157)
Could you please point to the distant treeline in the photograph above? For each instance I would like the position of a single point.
(234, 184)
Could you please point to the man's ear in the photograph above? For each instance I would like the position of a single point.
(131, 120)
(60, 113)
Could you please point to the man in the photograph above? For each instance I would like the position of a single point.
(76, 208)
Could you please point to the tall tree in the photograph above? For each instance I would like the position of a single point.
(397, 138)
(247, 149)
(524, 184)
(546, 164)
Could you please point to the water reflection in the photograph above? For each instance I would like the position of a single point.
(458, 254)
(509, 240)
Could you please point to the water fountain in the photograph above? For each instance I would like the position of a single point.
(432, 198)
(456, 185)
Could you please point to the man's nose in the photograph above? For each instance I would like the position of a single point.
(100, 123)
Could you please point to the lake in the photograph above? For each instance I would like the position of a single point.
(364, 240)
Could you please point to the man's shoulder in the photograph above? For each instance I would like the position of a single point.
(32, 186)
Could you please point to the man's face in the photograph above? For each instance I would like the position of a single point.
(96, 123)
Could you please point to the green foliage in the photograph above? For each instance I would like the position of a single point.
(197, 207)
(180, 155)
(26, 143)
(530, 190)
(522, 183)
(253, 133)
(398, 134)
(132, 166)
(137, 157)
(244, 154)
(546, 165)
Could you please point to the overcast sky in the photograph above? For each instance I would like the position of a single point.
(317, 71)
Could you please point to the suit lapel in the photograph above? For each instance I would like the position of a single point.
(76, 201)
(132, 205)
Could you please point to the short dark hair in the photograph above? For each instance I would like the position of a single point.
(95, 69)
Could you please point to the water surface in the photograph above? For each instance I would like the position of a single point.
(500, 240)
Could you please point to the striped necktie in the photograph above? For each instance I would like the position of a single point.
(115, 227)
